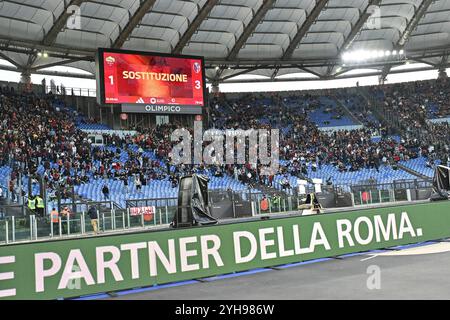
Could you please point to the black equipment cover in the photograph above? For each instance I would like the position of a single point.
(193, 206)
(441, 182)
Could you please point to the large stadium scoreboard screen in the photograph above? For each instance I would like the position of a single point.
(150, 82)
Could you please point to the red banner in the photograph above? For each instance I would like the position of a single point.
(148, 212)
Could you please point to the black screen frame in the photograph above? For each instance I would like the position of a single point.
(100, 71)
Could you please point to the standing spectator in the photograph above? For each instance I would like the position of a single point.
(285, 185)
(65, 217)
(94, 218)
(105, 191)
(125, 182)
(138, 183)
(271, 180)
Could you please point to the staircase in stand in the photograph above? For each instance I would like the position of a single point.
(414, 173)
(348, 112)
(385, 117)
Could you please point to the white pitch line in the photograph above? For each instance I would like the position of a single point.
(371, 257)
(439, 247)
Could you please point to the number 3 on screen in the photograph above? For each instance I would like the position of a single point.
(198, 84)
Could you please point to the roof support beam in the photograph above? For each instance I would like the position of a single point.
(425, 62)
(257, 18)
(202, 15)
(443, 65)
(320, 4)
(251, 27)
(341, 71)
(275, 73)
(64, 74)
(414, 22)
(363, 17)
(14, 63)
(239, 73)
(145, 7)
(343, 76)
(421, 10)
(444, 60)
(310, 71)
(359, 25)
(59, 23)
(54, 64)
(31, 59)
(63, 52)
(9, 44)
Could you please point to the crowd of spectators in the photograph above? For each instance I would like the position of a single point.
(37, 138)
(305, 146)
(414, 103)
(304, 140)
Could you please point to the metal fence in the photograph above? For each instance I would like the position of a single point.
(395, 185)
(111, 218)
(71, 91)
(32, 228)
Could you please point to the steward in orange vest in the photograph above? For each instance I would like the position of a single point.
(264, 205)
(54, 216)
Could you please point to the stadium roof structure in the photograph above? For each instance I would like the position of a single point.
(271, 38)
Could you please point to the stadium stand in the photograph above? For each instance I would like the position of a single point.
(52, 145)
(100, 99)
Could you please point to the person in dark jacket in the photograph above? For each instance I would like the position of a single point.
(105, 191)
(92, 212)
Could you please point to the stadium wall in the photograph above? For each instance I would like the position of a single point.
(72, 268)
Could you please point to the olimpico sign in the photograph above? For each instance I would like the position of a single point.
(161, 109)
(71, 268)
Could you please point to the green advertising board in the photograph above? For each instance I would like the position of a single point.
(71, 268)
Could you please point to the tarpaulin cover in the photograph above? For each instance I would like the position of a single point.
(441, 181)
(193, 202)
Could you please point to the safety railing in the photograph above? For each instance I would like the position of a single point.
(13, 229)
(33, 228)
(69, 91)
(157, 202)
(5, 194)
(375, 197)
(10, 209)
(276, 204)
(395, 185)
(153, 213)
(84, 205)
